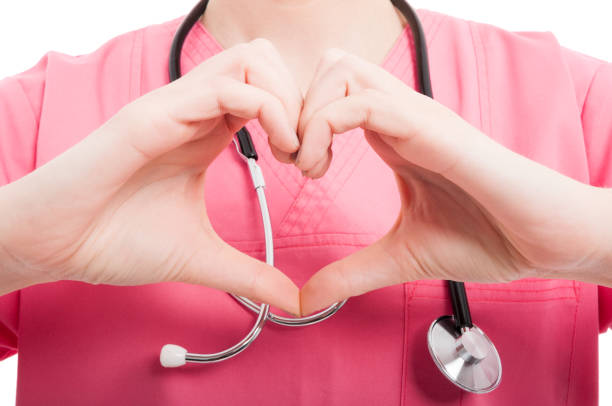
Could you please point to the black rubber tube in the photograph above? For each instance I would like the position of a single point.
(461, 307)
(458, 295)
(245, 142)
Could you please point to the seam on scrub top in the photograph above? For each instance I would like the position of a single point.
(322, 187)
(300, 197)
(512, 290)
(434, 28)
(336, 193)
(318, 189)
(590, 87)
(284, 226)
(135, 80)
(502, 300)
(571, 364)
(25, 95)
(189, 56)
(36, 121)
(209, 41)
(396, 57)
(311, 246)
(482, 78)
(596, 121)
(18, 326)
(343, 176)
(335, 233)
(192, 51)
(483, 286)
(355, 238)
(508, 290)
(524, 281)
(430, 33)
(404, 349)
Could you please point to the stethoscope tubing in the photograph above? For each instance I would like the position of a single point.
(246, 149)
(263, 311)
(458, 295)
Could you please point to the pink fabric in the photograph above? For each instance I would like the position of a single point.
(84, 344)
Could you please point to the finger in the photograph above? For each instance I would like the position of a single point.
(279, 81)
(321, 167)
(282, 156)
(134, 143)
(368, 269)
(262, 66)
(337, 117)
(256, 63)
(340, 74)
(232, 271)
(319, 94)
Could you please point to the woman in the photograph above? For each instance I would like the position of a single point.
(116, 181)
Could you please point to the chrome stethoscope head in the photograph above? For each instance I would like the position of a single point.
(466, 356)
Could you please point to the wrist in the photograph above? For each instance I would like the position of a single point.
(603, 269)
(14, 273)
(597, 265)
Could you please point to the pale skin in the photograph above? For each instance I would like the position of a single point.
(472, 210)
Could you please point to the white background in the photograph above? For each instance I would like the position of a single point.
(30, 28)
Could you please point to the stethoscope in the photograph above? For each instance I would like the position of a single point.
(463, 352)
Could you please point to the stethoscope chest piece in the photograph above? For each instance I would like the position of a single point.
(466, 357)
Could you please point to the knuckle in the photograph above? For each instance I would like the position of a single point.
(331, 55)
(263, 44)
(347, 61)
(240, 54)
(255, 287)
(371, 93)
(241, 48)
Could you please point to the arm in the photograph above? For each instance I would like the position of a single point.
(140, 216)
(472, 209)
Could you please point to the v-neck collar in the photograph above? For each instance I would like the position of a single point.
(201, 44)
(312, 197)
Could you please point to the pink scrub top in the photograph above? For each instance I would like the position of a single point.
(83, 344)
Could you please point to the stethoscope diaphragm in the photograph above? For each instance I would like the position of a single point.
(467, 357)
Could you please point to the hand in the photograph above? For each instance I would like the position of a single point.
(472, 210)
(125, 206)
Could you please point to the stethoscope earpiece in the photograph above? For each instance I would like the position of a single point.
(172, 356)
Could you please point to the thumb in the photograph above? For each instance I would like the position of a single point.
(370, 268)
(232, 271)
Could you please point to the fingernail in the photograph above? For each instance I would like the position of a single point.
(293, 156)
(297, 157)
(300, 303)
(296, 140)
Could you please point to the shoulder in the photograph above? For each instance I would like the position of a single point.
(117, 66)
(533, 59)
(72, 95)
(522, 88)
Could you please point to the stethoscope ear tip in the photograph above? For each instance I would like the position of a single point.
(172, 356)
